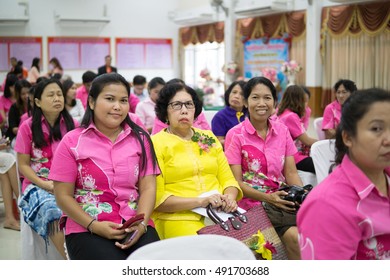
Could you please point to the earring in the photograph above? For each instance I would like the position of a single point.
(167, 122)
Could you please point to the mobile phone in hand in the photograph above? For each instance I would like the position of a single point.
(133, 221)
(129, 237)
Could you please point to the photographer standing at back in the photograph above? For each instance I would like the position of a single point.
(260, 153)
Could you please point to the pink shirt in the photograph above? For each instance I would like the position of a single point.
(82, 94)
(332, 116)
(24, 117)
(200, 122)
(145, 111)
(258, 157)
(133, 102)
(40, 158)
(105, 174)
(345, 217)
(306, 118)
(296, 128)
(137, 120)
(5, 104)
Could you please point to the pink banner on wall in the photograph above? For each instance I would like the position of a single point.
(79, 53)
(23, 48)
(135, 53)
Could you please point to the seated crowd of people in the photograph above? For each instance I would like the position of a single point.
(92, 157)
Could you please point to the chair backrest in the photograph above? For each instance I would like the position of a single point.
(209, 114)
(323, 153)
(194, 247)
(307, 178)
(317, 123)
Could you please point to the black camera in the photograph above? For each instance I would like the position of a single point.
(296, 194)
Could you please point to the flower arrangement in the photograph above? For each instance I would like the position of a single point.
(208, 90)
(270, 74)
(291, 67)
(204, 141)
(231, 68)
(263, 247)
(204, 73)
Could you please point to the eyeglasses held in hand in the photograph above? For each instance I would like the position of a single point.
(177, 105)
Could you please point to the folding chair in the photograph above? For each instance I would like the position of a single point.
(317, 123)
(323, 153)
(307, 178)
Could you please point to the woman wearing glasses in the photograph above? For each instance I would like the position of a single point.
(332, 112)
(192, 162)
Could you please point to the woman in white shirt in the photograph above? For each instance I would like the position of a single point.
(73, 104)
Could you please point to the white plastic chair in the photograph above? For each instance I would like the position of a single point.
(317, 123)
(307, 178)
(33, 246)
(195, 247)
(209, 114)
(323, 153)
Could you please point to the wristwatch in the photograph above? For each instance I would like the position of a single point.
(145, 226)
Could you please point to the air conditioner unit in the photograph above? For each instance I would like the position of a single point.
(344, 2)
(259, 9)
(72, 20)
(193, 19)
(83, 20)
(14, 20)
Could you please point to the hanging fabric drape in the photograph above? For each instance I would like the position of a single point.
(354, 45)
(213, 32)
(273, 26)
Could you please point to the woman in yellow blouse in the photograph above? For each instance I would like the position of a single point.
(192, 162)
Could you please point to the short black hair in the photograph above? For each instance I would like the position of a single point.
(230, 88)
(166, 95)
(139, 80)
(348, 84)
(259, 80)
(155, 82)
(88, 77)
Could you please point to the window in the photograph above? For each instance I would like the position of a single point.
(202, 56)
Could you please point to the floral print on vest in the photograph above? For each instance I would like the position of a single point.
(254, 167)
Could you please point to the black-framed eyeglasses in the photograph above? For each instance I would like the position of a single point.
(177, 105)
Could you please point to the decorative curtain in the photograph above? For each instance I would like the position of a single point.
(275, 26)
(298, 53)
(213, 32)
(355, 44)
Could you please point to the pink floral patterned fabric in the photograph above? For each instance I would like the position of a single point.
(261, 160)
(105, 174)
(41, 158)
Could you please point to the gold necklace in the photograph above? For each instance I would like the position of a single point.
(185, 138)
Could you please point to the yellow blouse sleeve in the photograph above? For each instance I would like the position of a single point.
(161, 194)
(225, 174)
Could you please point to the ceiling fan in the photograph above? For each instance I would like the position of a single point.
(217, 4)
